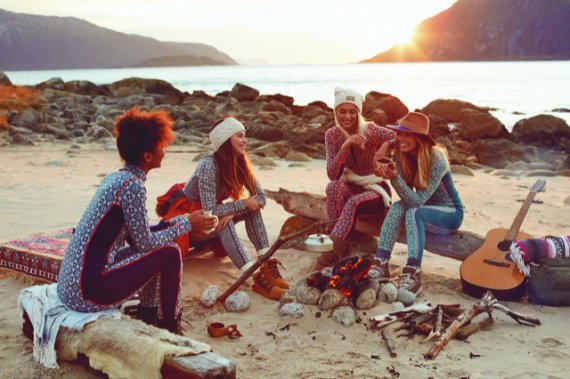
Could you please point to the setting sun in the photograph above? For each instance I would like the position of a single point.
(274, 32)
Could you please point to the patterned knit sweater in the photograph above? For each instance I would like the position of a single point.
(116, 213)
(440, 189)
(203, 187)
(361, 162)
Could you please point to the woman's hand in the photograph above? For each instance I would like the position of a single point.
(252, 204)
(385, 168)
(385, 151)
(201, 223)
(354, 140)
(223, 222)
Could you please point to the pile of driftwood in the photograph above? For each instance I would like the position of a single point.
(442, 322)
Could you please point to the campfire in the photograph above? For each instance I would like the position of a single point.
(349, 277)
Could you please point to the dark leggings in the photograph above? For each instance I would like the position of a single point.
(113, 286)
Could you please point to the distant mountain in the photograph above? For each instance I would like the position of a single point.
(489, 30)
(29, 42)
(179, 60)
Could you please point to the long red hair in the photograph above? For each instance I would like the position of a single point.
(236, 172)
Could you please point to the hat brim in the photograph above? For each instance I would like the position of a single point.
(400, 128)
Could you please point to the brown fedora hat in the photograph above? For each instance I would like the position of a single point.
(414, 122)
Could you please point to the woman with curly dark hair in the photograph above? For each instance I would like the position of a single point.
(114, 253)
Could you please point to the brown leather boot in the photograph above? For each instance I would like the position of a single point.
(330, 258)
(264, 287)
(271, 272)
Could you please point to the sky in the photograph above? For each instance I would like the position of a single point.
(257, 31)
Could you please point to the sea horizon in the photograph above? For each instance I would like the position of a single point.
(513, 90)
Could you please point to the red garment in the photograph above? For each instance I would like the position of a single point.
(179, 205)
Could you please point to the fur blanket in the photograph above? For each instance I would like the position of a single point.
(125, 348)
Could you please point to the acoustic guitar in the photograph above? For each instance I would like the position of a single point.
(488, 268)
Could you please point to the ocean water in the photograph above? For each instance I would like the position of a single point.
(517, 89)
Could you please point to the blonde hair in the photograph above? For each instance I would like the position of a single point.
(362, 124)
(416, 172)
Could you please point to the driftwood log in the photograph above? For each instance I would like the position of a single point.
(487, 303)
(458, 245)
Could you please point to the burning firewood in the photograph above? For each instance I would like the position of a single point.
(487, 303)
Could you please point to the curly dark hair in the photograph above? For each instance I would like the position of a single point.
(139, 131)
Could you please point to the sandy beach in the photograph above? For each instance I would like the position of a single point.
(47, 187)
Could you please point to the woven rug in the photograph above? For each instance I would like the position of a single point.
(38, 256)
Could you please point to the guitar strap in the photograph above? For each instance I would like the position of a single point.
(525, 252)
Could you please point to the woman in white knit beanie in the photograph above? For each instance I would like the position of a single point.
(353, 188)
(224, 183)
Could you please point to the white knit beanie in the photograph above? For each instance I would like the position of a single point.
(345, 95)
(224, 131)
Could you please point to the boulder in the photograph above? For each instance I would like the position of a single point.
(55, 83)
(140, 86)
(311, 111)
(438, 126)
(241, 92)
(4, 79)
(97, 132)
(29, 119)
(391, 105)
(474, 124)
(275, 149)
(263, 126)
(378, 116)
(276, 106)
(543, 130)
(283, 99)
(448, 109)
(85, 87)
(297, 156)
(136, 100)
(497, 153)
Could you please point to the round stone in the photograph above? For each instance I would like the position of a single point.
(406, 297)
(238, 301)
(210, 296)
(292, 309)
(388, 293)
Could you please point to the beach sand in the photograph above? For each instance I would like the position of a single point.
(47, 187)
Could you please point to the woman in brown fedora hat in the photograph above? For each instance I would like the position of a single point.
(353, 188)
(420, 174)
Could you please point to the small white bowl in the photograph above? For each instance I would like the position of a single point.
(318, 243)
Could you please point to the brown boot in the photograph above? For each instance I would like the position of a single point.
(330, 258)
(410, 280)
(271, 272)
(264, 287)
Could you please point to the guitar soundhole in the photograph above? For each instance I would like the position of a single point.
(504, 245)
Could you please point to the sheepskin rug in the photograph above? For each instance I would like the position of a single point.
(125, 348)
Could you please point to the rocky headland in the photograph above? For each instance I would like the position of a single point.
(81, 112)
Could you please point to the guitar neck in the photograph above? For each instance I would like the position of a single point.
(515, 227)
